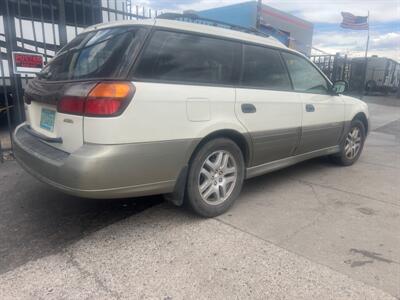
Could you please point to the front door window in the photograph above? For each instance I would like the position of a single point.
(305, 76)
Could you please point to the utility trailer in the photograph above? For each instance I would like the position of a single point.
(335, 67)
(382, 75)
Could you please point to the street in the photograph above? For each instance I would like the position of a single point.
(311, 231)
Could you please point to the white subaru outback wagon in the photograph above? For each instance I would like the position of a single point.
(166, 107)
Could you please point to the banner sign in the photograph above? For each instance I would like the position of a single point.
(24, 62)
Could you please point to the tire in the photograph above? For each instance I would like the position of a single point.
(349, 152)
(225, 157)
(370, 86)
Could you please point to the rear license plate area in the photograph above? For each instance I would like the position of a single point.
(47, 118)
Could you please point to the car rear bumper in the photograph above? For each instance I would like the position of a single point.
(104, 171)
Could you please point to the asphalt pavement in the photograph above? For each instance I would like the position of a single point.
(311, 231)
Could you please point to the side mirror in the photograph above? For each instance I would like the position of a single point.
(339, 87)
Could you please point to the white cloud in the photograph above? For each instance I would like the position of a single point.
(353, 43)
(388, 40)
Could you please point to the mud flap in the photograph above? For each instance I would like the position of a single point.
(178, 195)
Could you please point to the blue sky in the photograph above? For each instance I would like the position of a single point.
(325, 14)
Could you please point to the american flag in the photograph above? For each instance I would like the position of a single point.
(351, 21)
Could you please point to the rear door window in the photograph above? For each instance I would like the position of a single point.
(182, 57)
(263, 68)
(106, 53)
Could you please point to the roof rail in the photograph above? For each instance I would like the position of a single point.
(193, 18)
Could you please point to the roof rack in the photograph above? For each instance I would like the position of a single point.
(193, 18)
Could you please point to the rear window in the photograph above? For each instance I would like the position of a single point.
(181, 57)
(106, 53)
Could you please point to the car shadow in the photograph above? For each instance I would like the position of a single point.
(37, 221)
(298, 170)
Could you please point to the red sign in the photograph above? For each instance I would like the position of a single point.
(27, 62)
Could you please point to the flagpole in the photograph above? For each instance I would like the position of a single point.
(259, 14)
(366, 62)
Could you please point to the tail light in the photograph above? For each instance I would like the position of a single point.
(105, 99)
(72, 105)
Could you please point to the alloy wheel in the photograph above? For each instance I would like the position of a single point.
(353, 143)
(217, 178)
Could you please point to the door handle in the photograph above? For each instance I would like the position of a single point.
(310, 108)
(248, 108)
